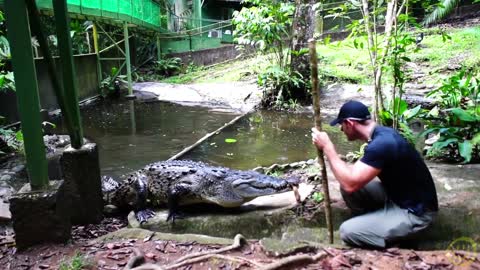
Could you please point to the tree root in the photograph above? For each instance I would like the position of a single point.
(238, 241)
(136, 261)
(303, 258)
(206, 257)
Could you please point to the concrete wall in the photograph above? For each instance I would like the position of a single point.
(86, 70)
(208, 56)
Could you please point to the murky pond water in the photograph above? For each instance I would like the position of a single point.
(266, 137)
(156, 131)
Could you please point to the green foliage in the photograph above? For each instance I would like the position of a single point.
(4, 48)
(7, 81)
(441, 11)
(397, 110)
(395, 113)
(13, 140)
(77, 262)
(265, 25)
(277, 83)
(275, 173)
(168, 66)
(456, 119)
(317, 197)
(78, 32)
(107, 85)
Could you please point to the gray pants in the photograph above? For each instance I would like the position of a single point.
(378, 221)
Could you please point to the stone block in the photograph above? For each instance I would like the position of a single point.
(81, 171)
(41, 216)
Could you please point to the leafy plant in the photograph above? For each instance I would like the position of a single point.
(77, 262)
(7, 81)
(110, 85)
(265, 25)
(442, 10)
(4, 48)
(317, 197)
(397, 110)
(11, 140)
(456, 120)
(277, 83)
(168, 66)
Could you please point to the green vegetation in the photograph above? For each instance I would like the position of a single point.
(232, 71)
(77, 262)
(342, 62)
(456, 120)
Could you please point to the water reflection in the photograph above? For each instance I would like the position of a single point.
(130, 136)
(264, 138)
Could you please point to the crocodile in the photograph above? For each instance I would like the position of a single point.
(182, 182)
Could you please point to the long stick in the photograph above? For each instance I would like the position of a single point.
(204, 138)
(318, 125)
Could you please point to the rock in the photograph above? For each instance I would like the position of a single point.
(6, 191)
(5, 178)
(5, 214)
(432, 139)
(110, 209)
(18, 168)
(454, 67)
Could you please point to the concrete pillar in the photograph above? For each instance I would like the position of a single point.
(81, 170)
(41, 216)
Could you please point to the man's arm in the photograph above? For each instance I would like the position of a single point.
(351, 178)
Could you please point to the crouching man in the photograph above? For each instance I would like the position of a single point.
(402, 203)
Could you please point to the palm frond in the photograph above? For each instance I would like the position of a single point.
(441, 11)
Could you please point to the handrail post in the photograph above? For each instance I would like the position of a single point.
(27, 92)
(127, 59)
(159, 51)
(97, 54)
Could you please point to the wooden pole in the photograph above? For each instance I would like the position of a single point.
(318, 125)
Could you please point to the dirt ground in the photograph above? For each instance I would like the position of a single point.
(117, 254)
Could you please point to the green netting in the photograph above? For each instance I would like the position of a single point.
(91, 7)
(142, 12)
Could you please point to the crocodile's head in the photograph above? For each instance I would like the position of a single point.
(124, 195)
(249, 184)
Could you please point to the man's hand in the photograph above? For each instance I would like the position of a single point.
(320, 139)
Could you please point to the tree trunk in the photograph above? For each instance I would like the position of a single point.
(303, 28)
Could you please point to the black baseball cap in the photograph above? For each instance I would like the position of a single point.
(354, 110)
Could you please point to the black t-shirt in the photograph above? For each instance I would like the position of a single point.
(404, 174)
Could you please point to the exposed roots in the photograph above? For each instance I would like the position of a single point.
(295, 259)
(137, 261)
(238, 241)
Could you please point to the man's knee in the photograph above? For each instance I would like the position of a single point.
(353, 235)
(347, 232)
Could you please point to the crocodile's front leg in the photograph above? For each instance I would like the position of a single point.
(142, 213)
(174, 196)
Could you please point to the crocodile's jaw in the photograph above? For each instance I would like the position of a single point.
(262, 185)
